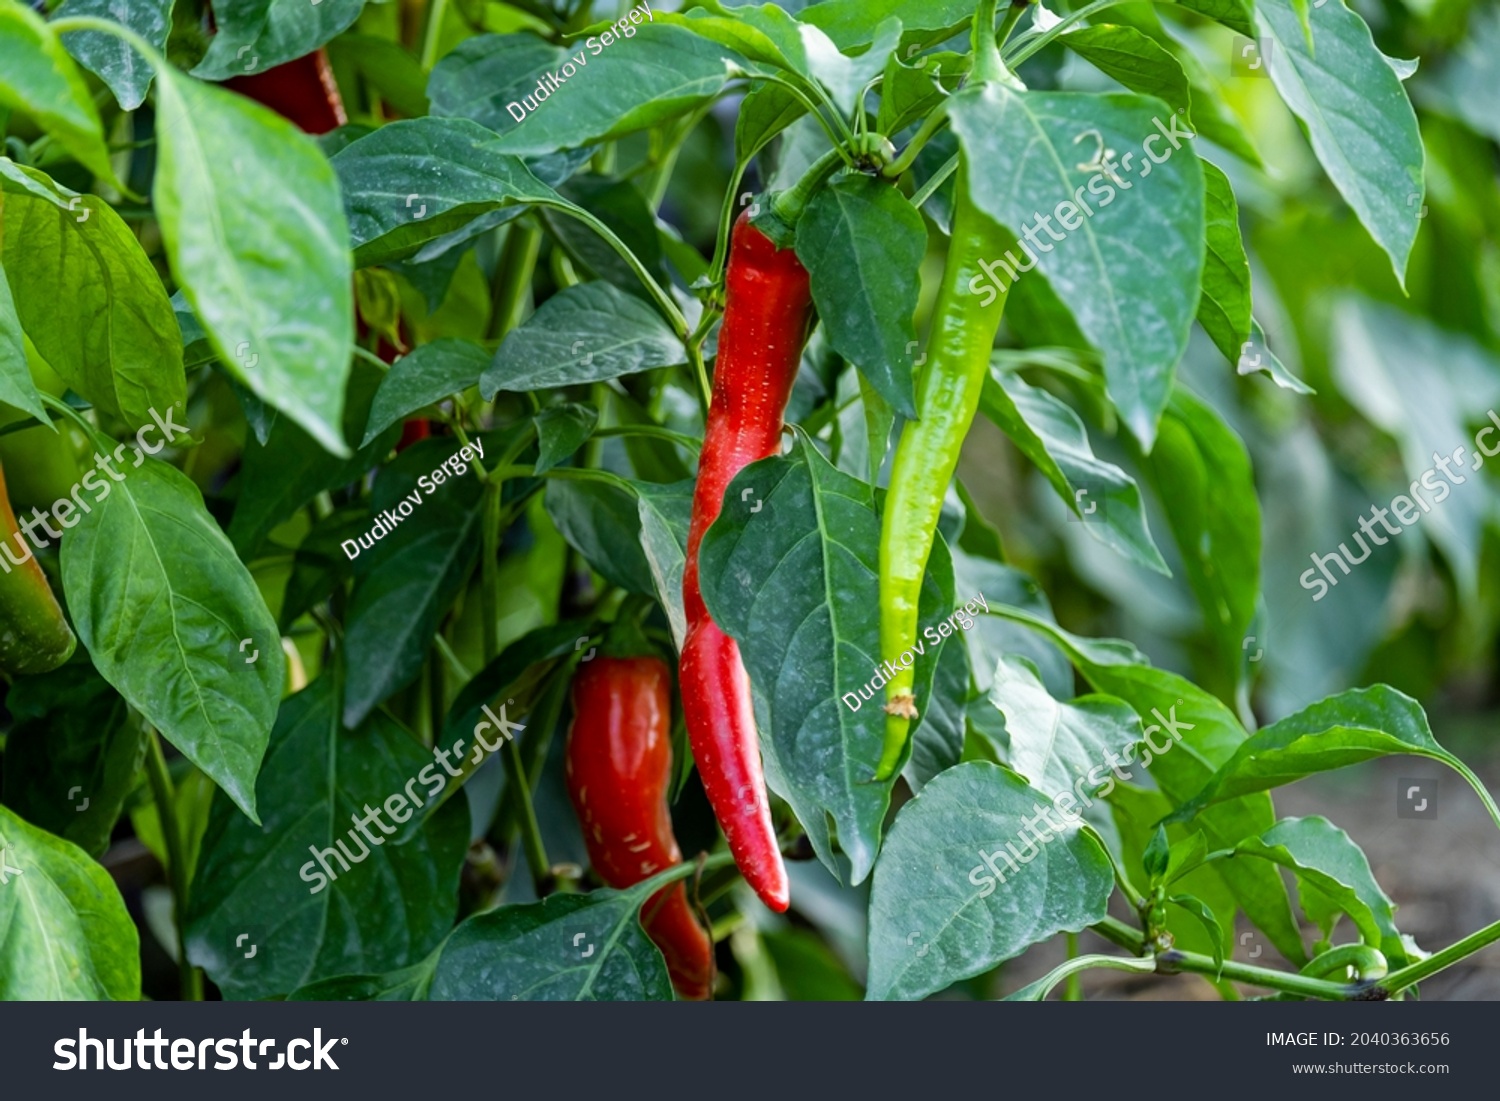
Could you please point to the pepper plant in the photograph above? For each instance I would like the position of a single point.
(558, 365)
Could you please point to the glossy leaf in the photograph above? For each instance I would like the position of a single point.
(255, 35)
(67, 936)
(1134, 60)
(127, 73)
(580, 948)
(561, 430)
(416, 180)
(479, 76)
(586, 333)
(782, 572)
(862, 243)
(268, 881)
(260, 246)
(1224, 309)
(423, 377)
(163, 604)
(1129, 271)
(1358, 119)
(89, 298)
(16, 387)
(941, 912)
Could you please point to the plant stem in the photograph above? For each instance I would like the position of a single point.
(434, 33)
(663, 300)
(1423, 969)
(190, 979)
(531, 831)
(653, 431)
(987, 63)
(1041, 40)
(513, 271)
(1072, 967)
(1073, 991)
(1010, 19)
(930, 126)
(935, 181)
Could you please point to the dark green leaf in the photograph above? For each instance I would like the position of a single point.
(1133, 59)
(621, 207)
(561, 430)
(1130, 271)
(565, 948)
(1155, 859)
(783, 568)
(862, 243)
(386, 908)
(72, 756)
(660, 72)
(587, 333)
(854, 22)
(480, 75)
(602, 522)
(163, 604)
(255, 35)
(937, 740)
(425, 377)
(955, 892)
(16, 387)
(88, 297)
(67, 936)
(1205, 915)
(411, 576)
(1234, 14)
(766, 111)
(416, 180)
(391, 69)
(260, 246)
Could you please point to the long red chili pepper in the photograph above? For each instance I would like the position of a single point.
(619, 764)
(767, 301)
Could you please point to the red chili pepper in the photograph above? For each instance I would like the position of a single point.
(302, 91)
(619, 763)
(767, 302)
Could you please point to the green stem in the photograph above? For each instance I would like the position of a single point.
(663, 300)
(1073, 992)
(1010, 19)
(434, 33)
(1133, 896)
(189, 977)
(935, 181)
(531, 831)
(987, 63)
(513, 272)
(1423, 969)
(788, 205)
(653, 431)
(1072, 967)
(1040, 41)
(930, 126)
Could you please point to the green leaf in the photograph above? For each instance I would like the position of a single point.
(1199, 734)
(416, 180)
(1224, 309)
(763, 33)
(561, 430)
(914, 86)
(1358, 119)
(387, 908)
(602, 522)
(411, 577)
(1154, 861)
(782, 570)
(766, 111)
(162, 604)
(255, 35)
(1205, 915)
(1054, 744)
(1354, 726)
(425, 376)
(390, 68)
(620, 206)
(1325, 859)
(260, 246)
(67, 936)
(479, 76)
(956, 892)
(88, 297)
(291, 468)
(844, 77)
(71, 758)
(617, 89)
(1234, 14)
(862, 243)
(854, 22)
(1130, 270)
(587, 333)
(1256, 356)
(666, 511)
(578, 948)
(16, 387)
(937, 741)
(1052, 436)
(127, 73)
(1201, 473)
(37, 76)
(1135, 60)
(410, 984)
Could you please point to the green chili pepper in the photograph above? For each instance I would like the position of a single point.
(966, 318)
